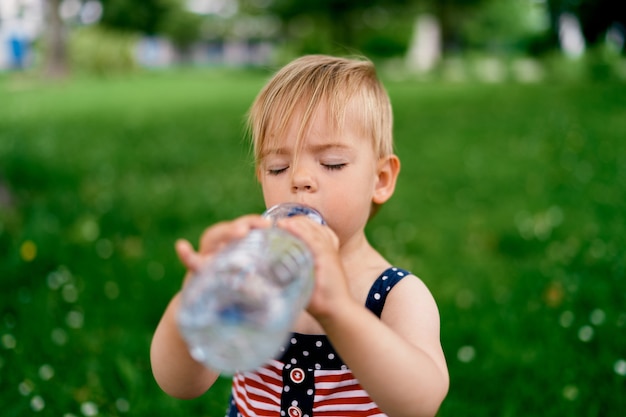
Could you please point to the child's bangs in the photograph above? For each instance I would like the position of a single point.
(346, 89)
(298, 108)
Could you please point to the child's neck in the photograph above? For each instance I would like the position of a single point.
(360, 257)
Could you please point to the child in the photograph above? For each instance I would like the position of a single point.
(322, 136)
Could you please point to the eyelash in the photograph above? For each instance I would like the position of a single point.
(276, 171)
(329, 167)
(334, 167)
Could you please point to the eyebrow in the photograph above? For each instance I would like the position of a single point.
(314, 148)
(326, 146)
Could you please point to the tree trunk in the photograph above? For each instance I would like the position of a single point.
(55, 60)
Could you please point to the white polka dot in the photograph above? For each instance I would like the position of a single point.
(331, 356)
(385, 278)
(309, 392)
(288, 366)
(344, 367)
(294, 403)
(305, 353)
(293, 341)
(282, 412)
(377, 296)
(286, 388)
(294, 361)
(394, 269)
(318, 343)
(400, 274)
(388, 288)
(318, 366)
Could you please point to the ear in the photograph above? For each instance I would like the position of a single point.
(387, 171)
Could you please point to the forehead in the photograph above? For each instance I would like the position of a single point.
(319, 128)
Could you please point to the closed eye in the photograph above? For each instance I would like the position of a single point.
(277, 171)
(334, 167)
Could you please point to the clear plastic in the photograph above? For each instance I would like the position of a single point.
(238, 310)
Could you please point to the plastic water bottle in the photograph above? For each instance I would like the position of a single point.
(237, 311)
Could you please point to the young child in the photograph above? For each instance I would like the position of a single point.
(368, 343)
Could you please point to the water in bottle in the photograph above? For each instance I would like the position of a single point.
(237, 311)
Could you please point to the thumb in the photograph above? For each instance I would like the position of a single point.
(187, 255)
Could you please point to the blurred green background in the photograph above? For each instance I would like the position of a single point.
(511, 204)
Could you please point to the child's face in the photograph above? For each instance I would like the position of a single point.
(334, 172)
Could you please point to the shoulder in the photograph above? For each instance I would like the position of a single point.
(410, 304)
(412, 290)
(411, 312)
(405, 285)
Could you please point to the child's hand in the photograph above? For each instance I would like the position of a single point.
(215, 238)
(330, 284)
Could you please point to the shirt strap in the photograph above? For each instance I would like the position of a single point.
(381, 287)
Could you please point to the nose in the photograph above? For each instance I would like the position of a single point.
(302, 180)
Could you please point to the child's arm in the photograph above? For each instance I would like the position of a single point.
(397, 359)
(176, 372)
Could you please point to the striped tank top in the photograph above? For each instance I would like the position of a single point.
(309, 378)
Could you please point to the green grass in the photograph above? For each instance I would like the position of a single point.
(511, 207)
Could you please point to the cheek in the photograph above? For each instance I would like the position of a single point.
(350, 206)
(275, 189)
(271, 196)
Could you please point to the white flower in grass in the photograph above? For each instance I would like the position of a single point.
(89, 409)
(466, 354)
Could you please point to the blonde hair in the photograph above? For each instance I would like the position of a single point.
(342, 85)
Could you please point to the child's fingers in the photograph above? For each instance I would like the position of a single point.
(214, 238)
(187, 255)
(315, 235)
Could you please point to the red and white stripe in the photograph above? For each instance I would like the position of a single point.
(337, 393)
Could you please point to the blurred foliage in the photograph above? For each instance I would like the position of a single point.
(384, 28)
(510, 206)
(505, 26)
(492, 25)
(345, 24)
(596, 16)
(380, 29)
(146, 16)
(100, 51)
(164, 17)
(182, 27)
